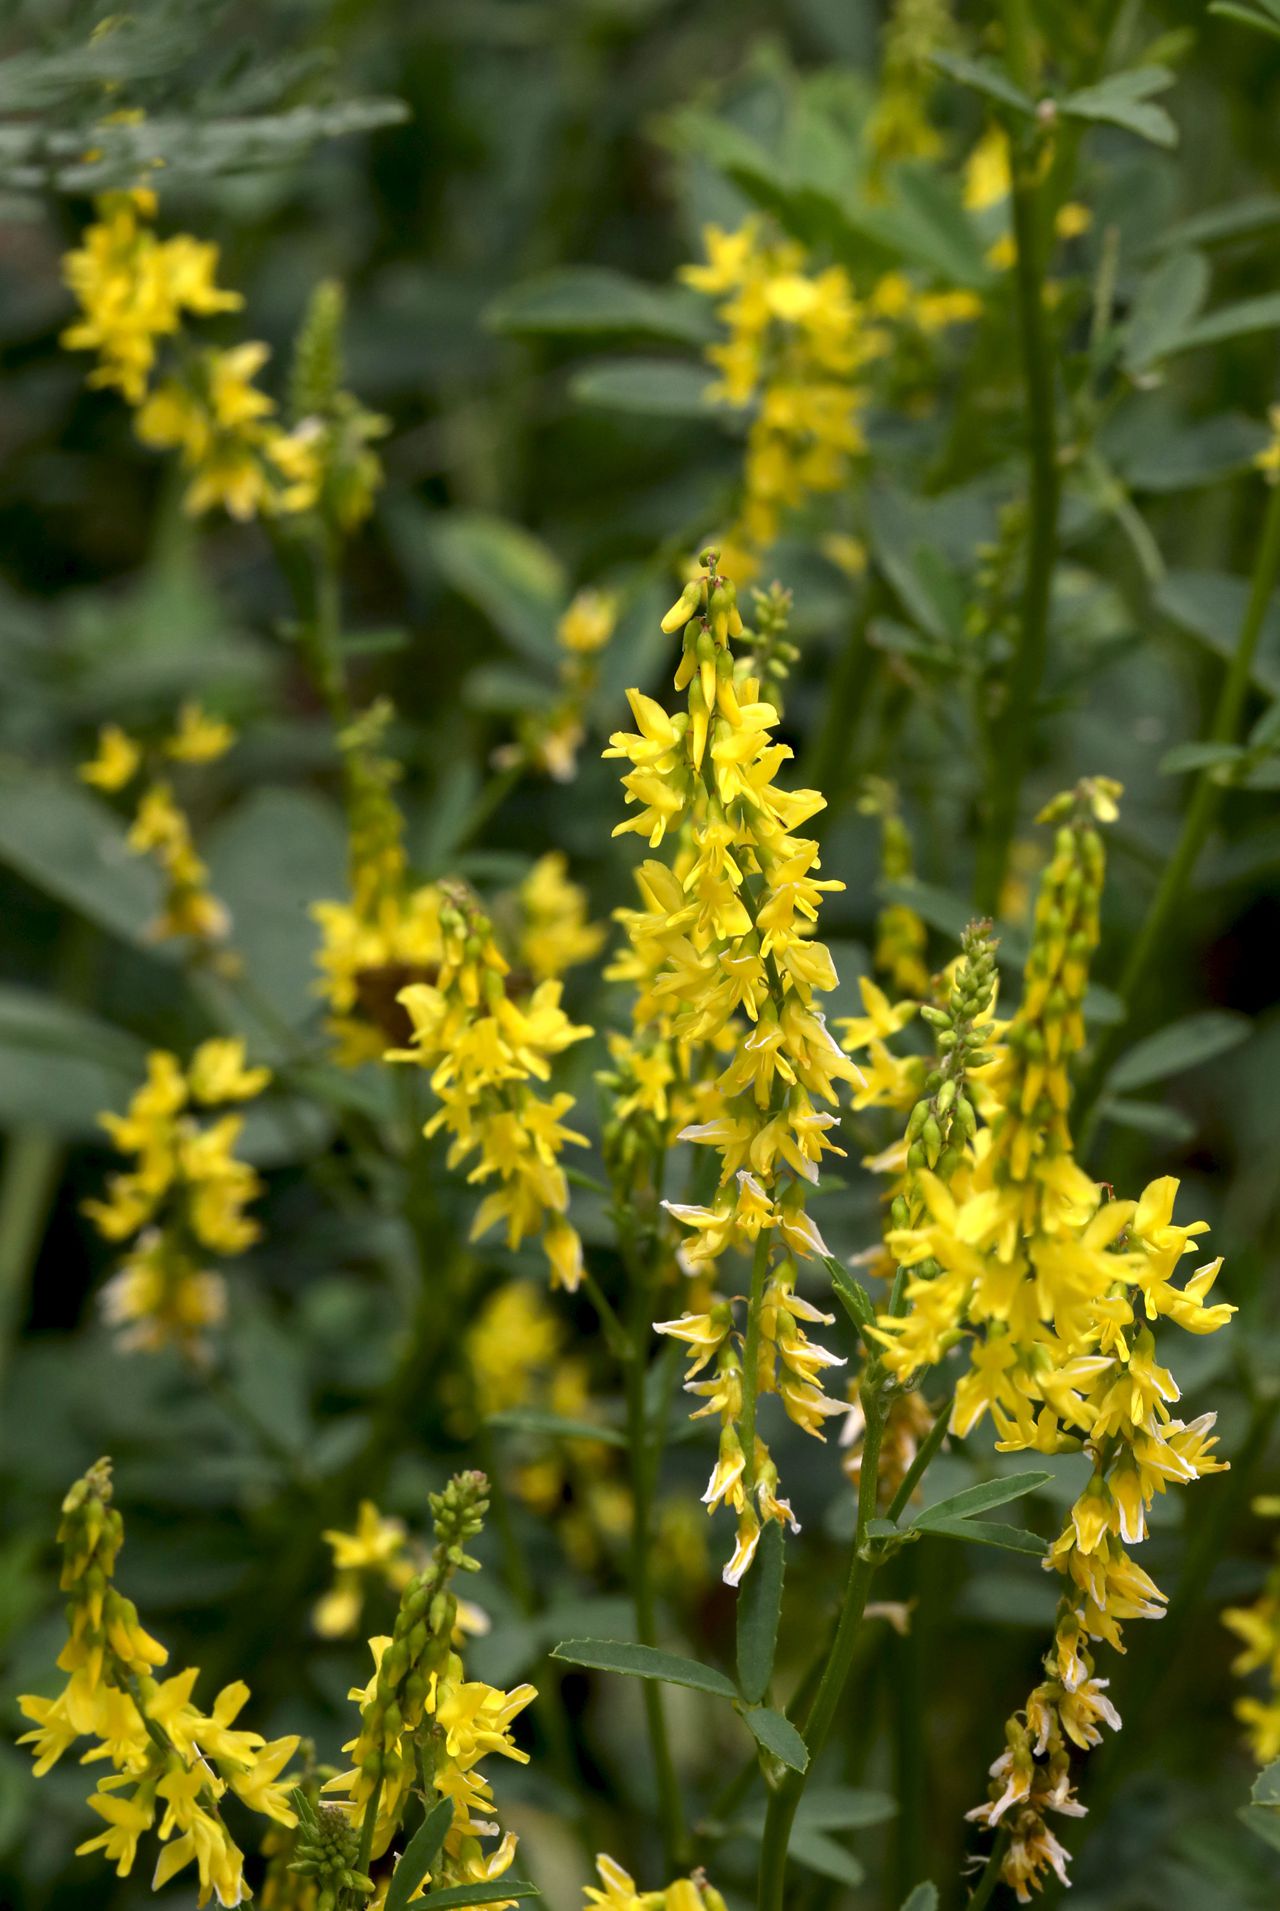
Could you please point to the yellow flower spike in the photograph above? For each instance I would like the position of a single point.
(185, 1192)
(724, 935)
(178, 1760)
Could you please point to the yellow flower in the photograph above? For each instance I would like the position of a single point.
(589, 622)
(116, 762)
(199, 738)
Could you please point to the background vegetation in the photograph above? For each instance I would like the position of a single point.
(508, 236)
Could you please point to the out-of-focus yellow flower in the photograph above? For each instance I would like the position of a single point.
(116, 762)
(589, 622)
(183, 1196)
(199, 737)
(555, 935)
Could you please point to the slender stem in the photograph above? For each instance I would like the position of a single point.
(670, 1802)
(816, 1725)
(1200, 812)
(981, 1893)
(619, 1340)
(368, 1828)
(33, 1162)
(1009, 740)
(552, 1712)
(924, 1454)
(751, 1359)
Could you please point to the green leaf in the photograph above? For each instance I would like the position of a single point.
(1245, 17)
(555, 1426)
(923, 1898)
(882, 1529)
(1149, 1118)
(1122, 100)
(1253, 213)
(1240, 320)
(70, 845)
(1169, 298)
(1012, 1539)
(660, 387)
(1191, 456)
(1263, 1822)
(59, 1065)
(504, 571)
(1266, 1786)
(1182, 1045)
(984, 76)
(844, 1808)
(271, 857)
(496, 1893)
(1210, 606)
(419, 1855)
(816, 1852)
(759, 1606)
(1199, 756)
(980, 1498)
(594, 300)
(29, 1018)
(852, 1295)
(645, 1662)
(927, 219)
(777, 1734)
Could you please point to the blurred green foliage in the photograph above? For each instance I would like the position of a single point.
(505, 190)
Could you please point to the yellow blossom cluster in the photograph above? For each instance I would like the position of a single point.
(423, 1723)
(388, 933)
(136, 291)
(1257, 1626)
(486, 1048)
(617, 1891)
(549, 739)
(1057, 1290)
(725, 938)
(376, 1549)
(799, 353)
(161, 827)
(183, 1199)
(171, 1763)
(555, 933)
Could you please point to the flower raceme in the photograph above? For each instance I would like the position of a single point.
(486, 1049)
(183, 1199)
(1056, 1292)
(172, 1764)
(800, 351)
(161, 828)
(423, 1723)
(724, 943)
(137, 295)
(424, 1727)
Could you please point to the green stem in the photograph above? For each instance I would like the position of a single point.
(751, 1359)
(670, 1802)
(924, 1454)
(368, 1828)
(981, 1893)
(1200, 813)
(816, 1725)
(1009, 740)
(32, 1169)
